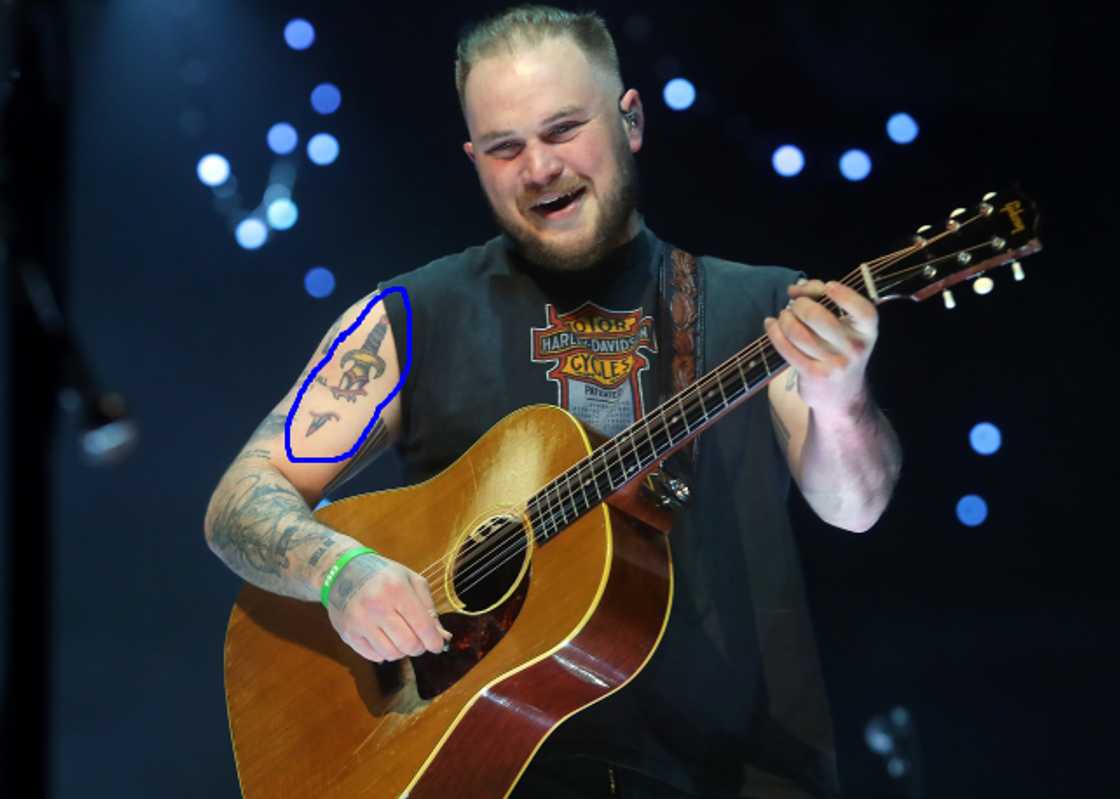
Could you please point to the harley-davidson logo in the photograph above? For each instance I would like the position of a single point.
(596, 361)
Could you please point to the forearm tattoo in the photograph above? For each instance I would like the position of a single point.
(260, 525)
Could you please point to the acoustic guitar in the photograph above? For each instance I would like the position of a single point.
(547, 560)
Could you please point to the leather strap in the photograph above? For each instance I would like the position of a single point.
(684, 307)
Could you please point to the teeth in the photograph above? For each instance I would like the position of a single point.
(548, 198)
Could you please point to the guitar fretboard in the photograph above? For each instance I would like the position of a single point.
(652, 438)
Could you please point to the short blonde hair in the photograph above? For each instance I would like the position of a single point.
(530, 25)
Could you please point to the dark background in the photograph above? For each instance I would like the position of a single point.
(997, 638)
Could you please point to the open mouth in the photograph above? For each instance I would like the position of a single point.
(558, 204)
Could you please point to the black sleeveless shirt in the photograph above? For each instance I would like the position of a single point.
(732, 702)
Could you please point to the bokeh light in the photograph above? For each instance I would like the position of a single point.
(213, 169)
(788, 160)
(252, 233)
(319, 282)
(985, 438)
(282, 213)
(972, 510)
(299, 34)
(679, 94)
(282, 138)
(326, 98)
(855, 165)
(902, 128)
(322, 149)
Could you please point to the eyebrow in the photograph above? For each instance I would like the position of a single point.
(567, 110)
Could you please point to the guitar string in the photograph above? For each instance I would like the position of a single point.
(558, 515)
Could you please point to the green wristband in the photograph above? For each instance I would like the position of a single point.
(339, 564)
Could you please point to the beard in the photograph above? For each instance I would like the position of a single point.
(615, 210)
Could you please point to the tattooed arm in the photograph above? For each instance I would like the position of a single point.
(259, 521)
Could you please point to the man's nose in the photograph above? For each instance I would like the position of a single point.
(542, 166)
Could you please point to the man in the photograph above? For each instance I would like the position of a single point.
(731, 703)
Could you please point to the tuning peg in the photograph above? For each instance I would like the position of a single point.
(1017, 271)
(947, 295)
(983, 285)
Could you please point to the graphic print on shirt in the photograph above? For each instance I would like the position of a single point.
(596, 361)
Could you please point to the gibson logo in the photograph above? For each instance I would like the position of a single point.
(1014, 211)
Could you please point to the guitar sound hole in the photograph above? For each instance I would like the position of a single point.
(489, 562)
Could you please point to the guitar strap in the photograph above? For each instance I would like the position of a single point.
(681, 315)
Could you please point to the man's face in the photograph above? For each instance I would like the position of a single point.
(553, 157)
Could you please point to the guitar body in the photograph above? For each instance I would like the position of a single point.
(570, 622)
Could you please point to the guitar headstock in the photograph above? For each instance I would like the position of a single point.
(1000, 229)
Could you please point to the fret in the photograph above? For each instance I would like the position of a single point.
(684, 416)
(668, 432)
(556, 507)
(649, 438)
(607, 470)
(700, 399)
(621, 461)
(634, 447)
(722, 393)
(742, 374)
(595, 479)
(546, 522)
(587, 503)
(572, 497)
(765, 365)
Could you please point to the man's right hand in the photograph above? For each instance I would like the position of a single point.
(384, 611)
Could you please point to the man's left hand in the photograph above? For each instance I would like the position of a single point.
(830, 353)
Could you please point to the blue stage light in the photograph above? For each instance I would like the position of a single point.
(282, 213)
(299, 34)
(855, 165)
(213, 169)
(282, 138)
(252, 233)
(326, 98)
(679, 94)
(319, 282)
(902, 128)
(972, 510)
(788, 160)
(985, 438)
(322, 149)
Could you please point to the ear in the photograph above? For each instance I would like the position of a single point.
(468, 148)
(631, 104)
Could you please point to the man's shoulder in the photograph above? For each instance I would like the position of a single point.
(452, 269)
